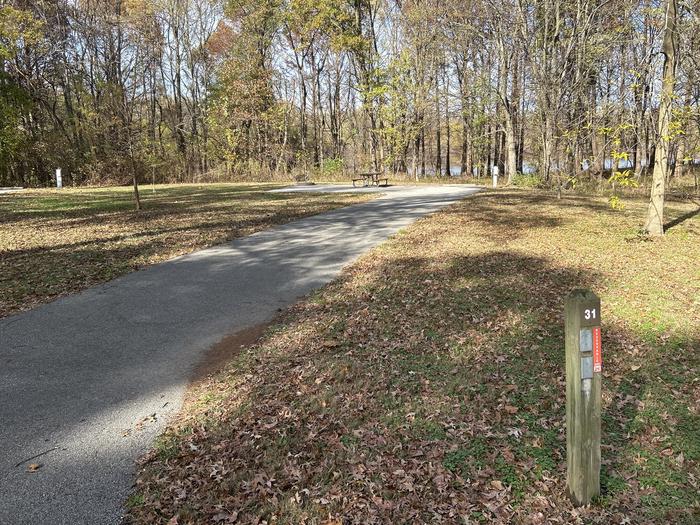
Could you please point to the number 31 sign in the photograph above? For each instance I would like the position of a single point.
(590, 315)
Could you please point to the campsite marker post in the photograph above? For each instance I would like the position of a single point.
(583, 402)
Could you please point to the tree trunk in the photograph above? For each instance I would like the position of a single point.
(448, 145)
(438, 141)
(655, 216)
(511, 167)
(489, 140)
(508, 110)
(137, 196)
(422, 156)
(465, 146)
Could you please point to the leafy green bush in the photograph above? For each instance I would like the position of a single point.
(332, 166)
(528, 180)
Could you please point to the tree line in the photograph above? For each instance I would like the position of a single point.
(186, 90)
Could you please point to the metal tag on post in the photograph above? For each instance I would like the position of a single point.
(583, 400)
(586, 340)
(586, 368)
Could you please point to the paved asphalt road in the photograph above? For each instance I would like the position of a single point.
(81, 377)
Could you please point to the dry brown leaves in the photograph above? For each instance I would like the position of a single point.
(426, 385)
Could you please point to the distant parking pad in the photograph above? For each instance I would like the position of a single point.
(4, 191)
(348, 188)
(331, 188)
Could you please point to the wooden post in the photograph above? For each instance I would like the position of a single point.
(583, 381)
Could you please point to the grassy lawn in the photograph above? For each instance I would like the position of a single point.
(53, 243)
(427, 384)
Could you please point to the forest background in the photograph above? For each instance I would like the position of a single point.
(554, 92)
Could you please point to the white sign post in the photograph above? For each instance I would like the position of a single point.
(59, 179)
(494, 173)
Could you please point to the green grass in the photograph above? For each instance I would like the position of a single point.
(470, 457)
(134, 500)
(57, 242)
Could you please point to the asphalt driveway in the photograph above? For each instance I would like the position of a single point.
(88, 381)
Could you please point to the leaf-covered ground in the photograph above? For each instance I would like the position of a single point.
(427, 384)
(58, 242)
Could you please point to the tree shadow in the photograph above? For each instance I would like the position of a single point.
(89, 363)
(401, 393)
(681, 219)
(42, 272)
(421, 384)
(90, 205)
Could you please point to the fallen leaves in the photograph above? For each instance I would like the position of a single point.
(444, 402)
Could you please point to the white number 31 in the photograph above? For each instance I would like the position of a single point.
(589, 314)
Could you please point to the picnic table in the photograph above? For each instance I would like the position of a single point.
(371, 178)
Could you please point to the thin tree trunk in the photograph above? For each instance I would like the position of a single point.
(508, 112)
(137, 196)
(448, 165)
(422, 147)
(438, 135)
(465, 144)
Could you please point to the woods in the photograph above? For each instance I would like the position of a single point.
(566, 91)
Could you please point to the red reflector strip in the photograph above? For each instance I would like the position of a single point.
(597, 350)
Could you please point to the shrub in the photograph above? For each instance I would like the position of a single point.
(528, 180)
(332, 166)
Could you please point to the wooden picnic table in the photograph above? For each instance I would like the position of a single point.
(371, 178)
